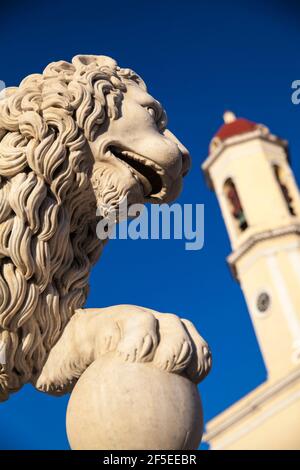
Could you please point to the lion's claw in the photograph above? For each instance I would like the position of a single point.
(201, 361)
(148, 345)
(174, 358)
(135, 348)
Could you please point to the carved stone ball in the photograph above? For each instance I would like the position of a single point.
(117, 405)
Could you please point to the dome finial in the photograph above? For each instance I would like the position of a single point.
(229, 117)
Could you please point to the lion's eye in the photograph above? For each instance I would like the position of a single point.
(152, 112)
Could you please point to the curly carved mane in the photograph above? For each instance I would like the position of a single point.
(48, 238)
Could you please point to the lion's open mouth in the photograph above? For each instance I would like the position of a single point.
(148, 173)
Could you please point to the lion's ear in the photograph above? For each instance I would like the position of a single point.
(100, 60)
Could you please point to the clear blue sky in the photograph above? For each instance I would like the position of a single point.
(198, 58)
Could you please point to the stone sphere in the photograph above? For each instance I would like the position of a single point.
(117, 405)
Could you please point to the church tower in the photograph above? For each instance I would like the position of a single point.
(248, 168)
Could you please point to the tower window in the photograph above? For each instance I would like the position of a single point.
(284, 189)
(263, 302)
(236, 208)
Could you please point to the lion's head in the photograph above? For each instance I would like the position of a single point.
(76, 136)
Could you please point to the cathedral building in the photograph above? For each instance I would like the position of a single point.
(248, 168)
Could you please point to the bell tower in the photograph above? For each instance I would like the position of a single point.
(248, 168)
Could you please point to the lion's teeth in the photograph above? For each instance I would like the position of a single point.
(139, 177)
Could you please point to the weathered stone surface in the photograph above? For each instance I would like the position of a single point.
(77, 137)
(133, 406)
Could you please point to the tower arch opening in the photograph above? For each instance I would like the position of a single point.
(281, 180)
(235, 205)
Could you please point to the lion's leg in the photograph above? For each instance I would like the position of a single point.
(136, 334)
(69, 357)
(129, 330)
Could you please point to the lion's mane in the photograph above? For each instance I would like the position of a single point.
(48, 237)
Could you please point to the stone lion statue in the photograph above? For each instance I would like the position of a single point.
(78, 135)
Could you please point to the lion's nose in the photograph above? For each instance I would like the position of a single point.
(186, 161)
(186, 158)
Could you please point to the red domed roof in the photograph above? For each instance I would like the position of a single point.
(239, 126)
(234, 126)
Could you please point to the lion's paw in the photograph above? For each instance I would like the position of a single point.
(134, 333)
(53, 386)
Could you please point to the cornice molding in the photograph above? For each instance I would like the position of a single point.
(258, 237)
(239, 139)
(264, 396)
